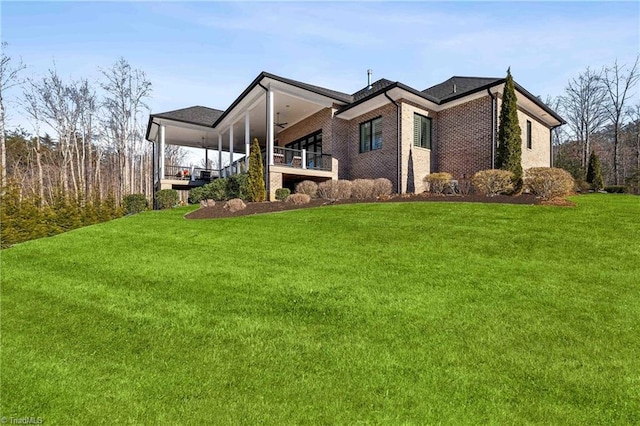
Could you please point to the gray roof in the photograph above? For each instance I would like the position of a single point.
(445, 90)
(375, 87)
(203, 116)
(316, 89)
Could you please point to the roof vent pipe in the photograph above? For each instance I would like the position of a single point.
(369, 72)
(454, 88)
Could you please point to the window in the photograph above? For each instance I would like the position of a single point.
(371, 135)
(421, 131)
(529, 134)
(312, 142)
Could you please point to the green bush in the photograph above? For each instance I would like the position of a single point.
(282, 193)
(135, 203)
(166, 198)
(238, 187)
(216, 190)
(617, 189)
(594, 176)
(256, 191)
(633, 182)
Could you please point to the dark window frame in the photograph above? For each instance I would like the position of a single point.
(529, 142)
(417, 143)
(368, 146)
(304, 142)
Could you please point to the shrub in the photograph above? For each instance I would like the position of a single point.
(362, 189)
(308, 187)
(282, 193)
(464, 186)
(633, 182)
(207, 203)
(548, 182)
(216, 190)
(616, 189)
(581, 186)
(594, 176)
(166, 198)
(437, 182)
(235, 205)
(334, 190)
(492, 182)
(298, 199)
(382, 187)
(256, 190)
(135, 203)
(238, 187)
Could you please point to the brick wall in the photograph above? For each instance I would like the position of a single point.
(321, 120)
(464, 138)
(540, 153)
(416, 161)
(379, 163)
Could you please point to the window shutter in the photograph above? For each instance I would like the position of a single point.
(416, 130)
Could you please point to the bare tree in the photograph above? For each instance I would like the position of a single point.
(8, 79)
(583, 107)
(125, 92)
(31, 107)
(618, 84)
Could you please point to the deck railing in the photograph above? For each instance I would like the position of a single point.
(177, 172)
(301, 159)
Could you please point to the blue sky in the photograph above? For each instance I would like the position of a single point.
(206, 53)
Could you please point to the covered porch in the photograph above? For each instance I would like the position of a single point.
(267, 107)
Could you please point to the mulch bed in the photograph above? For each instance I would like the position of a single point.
(218, 211)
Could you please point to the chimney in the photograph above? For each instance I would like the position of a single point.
(369, 72)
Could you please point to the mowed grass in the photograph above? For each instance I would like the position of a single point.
(406, 313)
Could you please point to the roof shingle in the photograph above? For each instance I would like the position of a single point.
(445, 90)
(203, 116)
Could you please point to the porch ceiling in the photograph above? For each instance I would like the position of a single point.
(292, 109)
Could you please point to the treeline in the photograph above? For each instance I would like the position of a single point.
(83, 154)
(602, 118)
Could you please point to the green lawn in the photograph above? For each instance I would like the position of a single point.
(392, 313)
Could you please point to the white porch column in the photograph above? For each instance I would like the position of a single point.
(304, 158)
(161, 151)
(220, 173)
(247, 140)
(231, 150)
(270, 135)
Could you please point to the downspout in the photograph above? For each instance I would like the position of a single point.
(493, 129)
(551, 143)
(267, 167)
(153, 176)
(398, 145)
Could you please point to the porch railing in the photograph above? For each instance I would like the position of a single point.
(177, 172)
(189, 173)
(301, 159)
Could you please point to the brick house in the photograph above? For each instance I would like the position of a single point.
(386, 129)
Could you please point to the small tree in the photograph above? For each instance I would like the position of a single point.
(594, 176)
(509, 155)
(257, 189)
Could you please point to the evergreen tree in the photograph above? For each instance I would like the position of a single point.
(509, 155)
(257, 190)
(594, 176)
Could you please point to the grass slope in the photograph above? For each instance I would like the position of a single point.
(388, 313)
